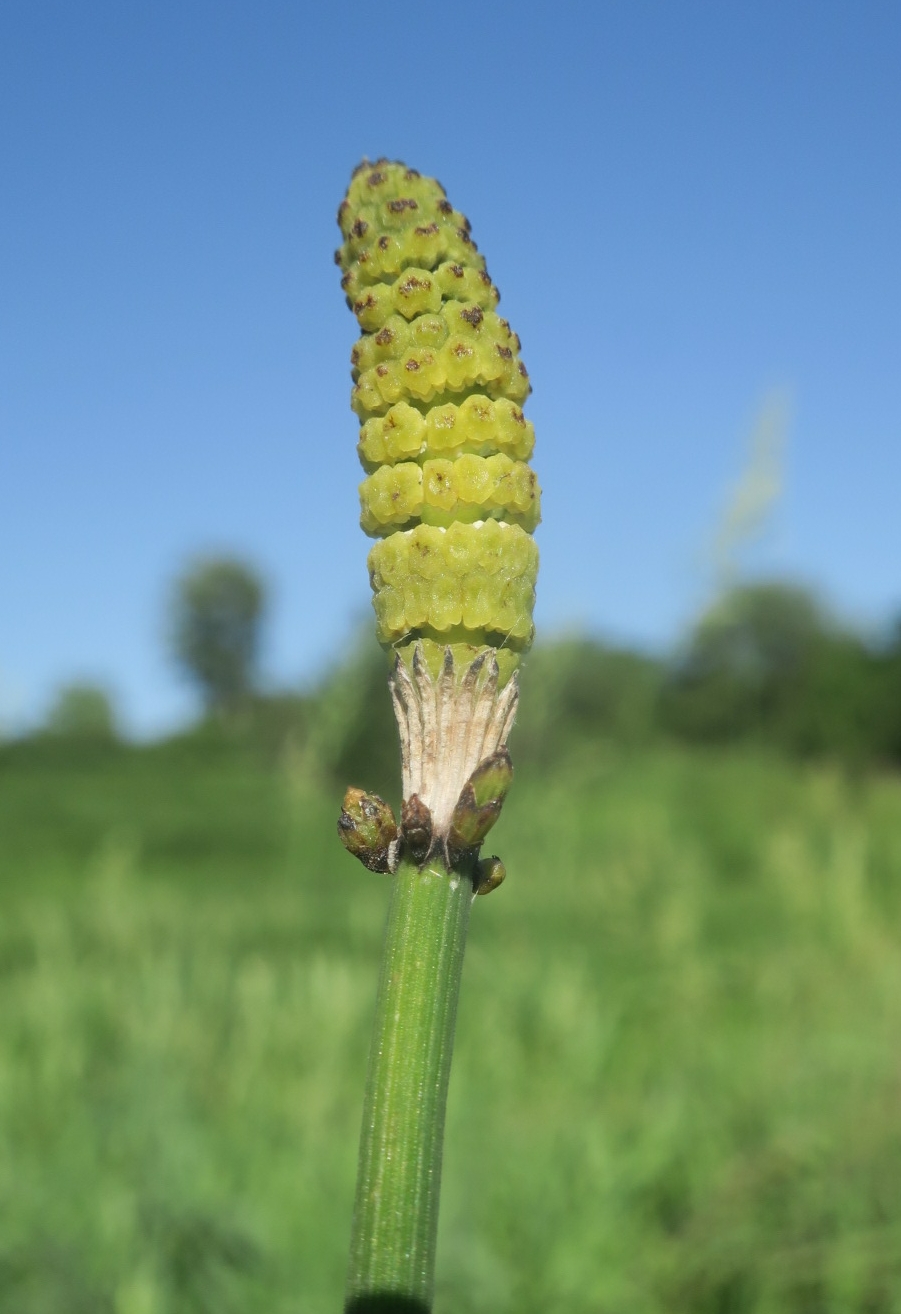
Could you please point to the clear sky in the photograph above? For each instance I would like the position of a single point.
(686, 206)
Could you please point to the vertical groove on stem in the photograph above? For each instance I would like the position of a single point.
(392, 1255)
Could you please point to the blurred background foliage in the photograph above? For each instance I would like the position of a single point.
(677, 1078)
(766, 664)
(82, 711)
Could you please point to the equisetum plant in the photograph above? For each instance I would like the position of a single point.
(452, 503)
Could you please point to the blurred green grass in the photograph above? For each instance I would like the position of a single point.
(677, 1084)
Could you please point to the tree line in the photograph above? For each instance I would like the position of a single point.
(766, 664)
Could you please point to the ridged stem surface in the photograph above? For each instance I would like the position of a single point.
(392, 1257)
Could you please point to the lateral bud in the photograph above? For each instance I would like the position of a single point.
(479, 805)
(489, 874)
(416, 828)
(367, 828)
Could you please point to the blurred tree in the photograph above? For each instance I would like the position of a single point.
(581, 690)
(889, 696)
(745, 662)
(217, 612)
(352, 733)
(82, 711)
(766, 661)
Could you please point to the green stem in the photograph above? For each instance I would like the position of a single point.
(392, 1253)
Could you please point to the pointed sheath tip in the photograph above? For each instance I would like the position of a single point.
(475, 667)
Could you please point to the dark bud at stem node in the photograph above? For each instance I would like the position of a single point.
(416, 825)
(367, 828)
(479, 805)
(489, 874)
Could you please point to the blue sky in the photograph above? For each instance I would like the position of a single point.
(685, 206)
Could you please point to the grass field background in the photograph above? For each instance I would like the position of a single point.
(677, 1083)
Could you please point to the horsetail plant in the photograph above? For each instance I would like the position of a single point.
(438, 388)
